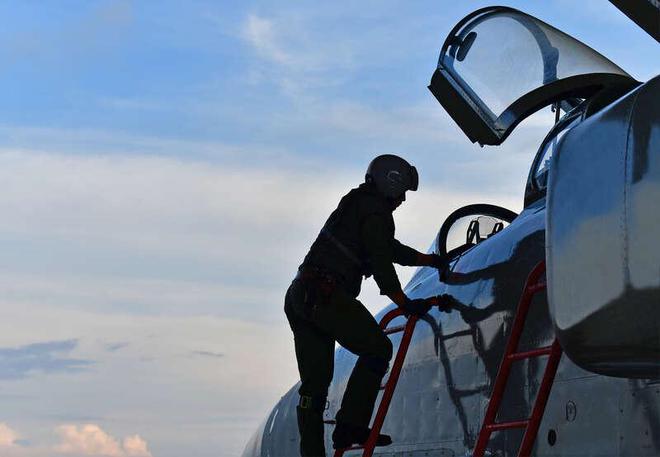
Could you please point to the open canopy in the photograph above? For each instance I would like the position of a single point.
(499, 65)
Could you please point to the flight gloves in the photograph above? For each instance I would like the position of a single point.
(421, 306)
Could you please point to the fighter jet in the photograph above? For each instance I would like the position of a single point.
(591, 217)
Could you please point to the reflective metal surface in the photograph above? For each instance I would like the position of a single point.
(603, 247)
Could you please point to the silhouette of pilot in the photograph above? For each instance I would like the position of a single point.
(357, 240)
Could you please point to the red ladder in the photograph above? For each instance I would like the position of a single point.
(392, 380)
(533, 285)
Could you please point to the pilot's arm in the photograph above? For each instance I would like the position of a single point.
(407, 256)
(377, 234)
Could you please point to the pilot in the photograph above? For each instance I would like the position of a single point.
(357, 240)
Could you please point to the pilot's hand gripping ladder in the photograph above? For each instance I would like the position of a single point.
(390, 384)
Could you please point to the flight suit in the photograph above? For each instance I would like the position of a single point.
(321, 306)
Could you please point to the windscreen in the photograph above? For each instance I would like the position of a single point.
(485, 227)
(500, 56)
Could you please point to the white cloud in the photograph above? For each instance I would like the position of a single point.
(91, 440)
(135, 446)
(158, 204)
(423, 123)
(155, 385)
(87, 440)
(123, 193)
(102, 293)
(204, 222)
(260, 33)
(212, 225)
(8, 437)
(299, 56)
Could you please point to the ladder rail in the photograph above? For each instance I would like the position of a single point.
(390, 386)
(541, 400)
(393, 378)
(505, 365)
(533, 285)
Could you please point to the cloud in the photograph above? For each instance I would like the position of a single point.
(150, 234)
(23, 361)
(114, 347)
(152, 231)
(87, 440)
(8, 437)
(212, 354)
(135, 446)
(260, 33)
(91, 440)
(170, 390)
(300, 57)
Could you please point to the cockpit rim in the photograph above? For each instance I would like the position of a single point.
(484, 209)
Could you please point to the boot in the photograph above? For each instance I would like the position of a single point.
(310, 426)
(346, 435)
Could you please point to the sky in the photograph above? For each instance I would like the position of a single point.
(164, 167)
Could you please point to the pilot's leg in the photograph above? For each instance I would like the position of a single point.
(315, 355)
(355, 328)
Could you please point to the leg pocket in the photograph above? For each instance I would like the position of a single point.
(309, 296)
(297, 298)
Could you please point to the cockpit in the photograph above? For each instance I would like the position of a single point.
(499, 65)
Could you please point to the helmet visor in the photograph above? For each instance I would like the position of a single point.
(414, 178)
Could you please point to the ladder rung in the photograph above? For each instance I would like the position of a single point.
(396, 329)
(507, 425)
(532, 353)
(352, 448)
(330, 421)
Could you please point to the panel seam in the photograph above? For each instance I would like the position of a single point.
(626, 197)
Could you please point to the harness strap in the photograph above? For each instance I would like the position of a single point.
(342, 247)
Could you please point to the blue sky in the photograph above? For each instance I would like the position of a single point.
(164, 167)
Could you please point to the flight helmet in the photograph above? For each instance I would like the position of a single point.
(392, 176)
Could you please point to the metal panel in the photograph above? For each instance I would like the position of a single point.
(602, 245)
